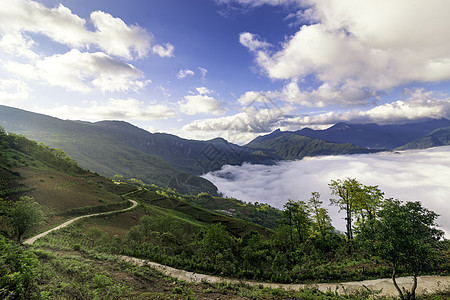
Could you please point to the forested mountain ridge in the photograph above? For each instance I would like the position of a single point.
(373, 136)
(291, 146)
(439, 137)
(102, 148)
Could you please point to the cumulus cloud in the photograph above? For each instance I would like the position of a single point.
(203, 90)
(184, 73)
(326, 94)
(112, 35)
(419, 106)
(347, 47)
(410, 176)
(113, 109)
(164, 51)
(13, 91)
(252, 42)
(82, 71)
(201, 104)
(252, 119)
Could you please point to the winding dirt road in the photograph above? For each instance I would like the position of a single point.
(31, 240)
(382, 287)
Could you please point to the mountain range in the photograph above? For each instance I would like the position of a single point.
(119, 148)
(372, 136)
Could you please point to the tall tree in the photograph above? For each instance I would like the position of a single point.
(404, 234)
(321, 219)
(296, 212)
(348, 192)
(371, 199)
(25, 215)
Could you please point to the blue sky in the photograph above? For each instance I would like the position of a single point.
(230, 68)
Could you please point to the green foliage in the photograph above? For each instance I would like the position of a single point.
(96, 209)
(438, 137)
(406, 236)
(19, 271)
(321, 219)
(355, 199)
(25, 215)
(291, 146)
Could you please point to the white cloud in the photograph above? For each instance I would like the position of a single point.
(82, 72)
(164, 51)
(327, 94)
(252, 42)
(203, 90)
(112, 109)
(256, 3)
(183, 73)
(112, 35)
(201, 104)
(13, 91)
(252, 119)
(251, 97)
(365, 47)
(420, 105)
(203, 73)
(411, 176)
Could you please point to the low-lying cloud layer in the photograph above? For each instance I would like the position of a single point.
(422, 175)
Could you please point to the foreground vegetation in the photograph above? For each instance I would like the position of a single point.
(384, 237)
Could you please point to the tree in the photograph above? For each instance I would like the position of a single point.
(349, 193)
(296, 213)
(25, 215)
(322, 221)
(358, 200)
(371, 198)
(405, 235)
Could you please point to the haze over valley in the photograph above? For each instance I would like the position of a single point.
(413, 175)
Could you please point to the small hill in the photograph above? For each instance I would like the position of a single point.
(439, 137)
(291, 146)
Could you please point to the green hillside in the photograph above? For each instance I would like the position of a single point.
(292, 146)
(439, 137)
(104, 149)
(80, 261)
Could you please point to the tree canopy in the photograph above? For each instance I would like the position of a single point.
(405, 235)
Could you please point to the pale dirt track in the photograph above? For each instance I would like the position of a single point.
(384, 287)
(31, 240)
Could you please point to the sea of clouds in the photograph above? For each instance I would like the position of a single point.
(415, 175)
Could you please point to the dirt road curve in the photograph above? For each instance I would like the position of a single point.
(385, 287)
(31, 240)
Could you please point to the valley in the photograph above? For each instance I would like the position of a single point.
(202, 234)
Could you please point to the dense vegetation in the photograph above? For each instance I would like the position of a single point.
(292, 146)
(241, 240)
(439, 137)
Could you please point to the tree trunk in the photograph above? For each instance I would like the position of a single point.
(396, 285)
(349, 223)
(413, 289)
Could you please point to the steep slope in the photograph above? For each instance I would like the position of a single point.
(291, 146)
(375, 136)
(105, 148)
(57, 183)
(439, 137)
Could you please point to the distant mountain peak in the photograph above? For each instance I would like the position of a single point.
(340, 126)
